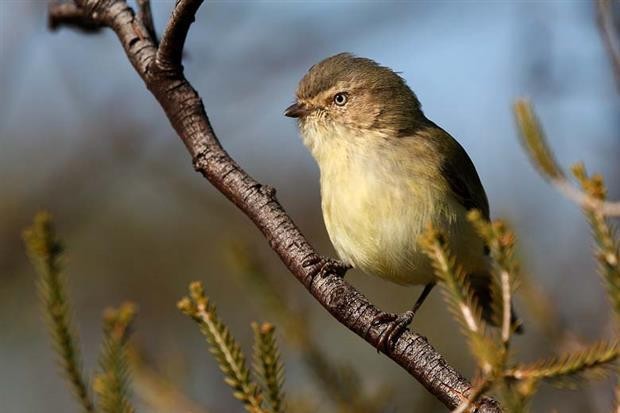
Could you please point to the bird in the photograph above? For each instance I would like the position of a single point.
(387, 172)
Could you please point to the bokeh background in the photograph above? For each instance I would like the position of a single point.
(81, 137)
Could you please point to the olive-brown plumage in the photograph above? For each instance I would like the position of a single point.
(387, 173)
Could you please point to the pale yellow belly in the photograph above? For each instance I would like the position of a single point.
(374, 224)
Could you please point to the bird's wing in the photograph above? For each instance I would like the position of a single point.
(461, 175)
(464, 182)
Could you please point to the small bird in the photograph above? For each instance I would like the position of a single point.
(387, 173)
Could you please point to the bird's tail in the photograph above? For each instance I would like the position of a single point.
(483, 285)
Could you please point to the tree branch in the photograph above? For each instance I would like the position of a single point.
(173, 41)
(162, 73)
(70, 15)
(146, 16)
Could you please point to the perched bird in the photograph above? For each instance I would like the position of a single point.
(387, 172)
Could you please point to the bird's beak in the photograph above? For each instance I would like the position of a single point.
(296, 110)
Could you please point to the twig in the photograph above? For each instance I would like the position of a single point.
(268, 368)
(112, 382)
(70, 15)
(609, 34)
(224, 348)
(507, 307)
(595, 358)
(583, 200)
(186, 113)
(45, 250)
(146, 16)
(170, 50)
(534, 141)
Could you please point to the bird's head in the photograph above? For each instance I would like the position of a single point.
(346, 96)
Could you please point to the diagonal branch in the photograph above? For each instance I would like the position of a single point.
(163, 76)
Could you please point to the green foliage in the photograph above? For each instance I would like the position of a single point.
(534, 141)
(593, 202)
(517, 383)
(112, 383)
(267, 365)
(340, 382)
(592, 361)
(45, 251)
(605, 235)
(501, 243)
(459, 295)
(592, 199)
(540, 154)
(224, 347)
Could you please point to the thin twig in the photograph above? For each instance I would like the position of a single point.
(595, 358)
(534, 141)
(146, 16)
(507, 307)
(112, 382)
(609, 34)
(170, 50)
(186, 113)
(45, 250)
(583, 200)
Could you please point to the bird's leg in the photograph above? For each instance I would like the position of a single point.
(397, 323)
(327, 266)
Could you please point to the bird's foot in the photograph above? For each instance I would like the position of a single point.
(328, 266)
(396, 325)
(335, 267)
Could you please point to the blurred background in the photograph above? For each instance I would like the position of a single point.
(81, 137)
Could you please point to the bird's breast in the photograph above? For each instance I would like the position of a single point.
(374, 218)
(375, 208)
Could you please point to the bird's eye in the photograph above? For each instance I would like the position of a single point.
(340, 99)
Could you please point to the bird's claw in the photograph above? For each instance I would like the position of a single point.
(332, 266)
(328, 266)
(396, 325)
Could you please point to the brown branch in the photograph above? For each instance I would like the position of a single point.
(146, 16)
(170, 50)
(70, 15)
(163, 76)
